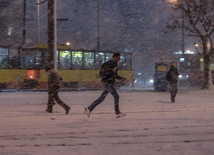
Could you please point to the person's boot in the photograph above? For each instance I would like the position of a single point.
(172, 98)
(87, 111)
(174, 95)
(49, 109)
(67, 109)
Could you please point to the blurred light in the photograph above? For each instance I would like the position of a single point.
(196, 45)
(139, 73)
(182, 59)
(190, 52)
(184, 76)
(68, 43)
(173, 1)
(179, 52)
(10, 29)
(187, 52)
(151, 81)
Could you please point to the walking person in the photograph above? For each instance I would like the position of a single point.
(108, 73)
(54, 81)
(172, 78)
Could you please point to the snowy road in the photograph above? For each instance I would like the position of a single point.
(153, 125)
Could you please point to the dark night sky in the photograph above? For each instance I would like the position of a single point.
(133, 25)
(123, 23)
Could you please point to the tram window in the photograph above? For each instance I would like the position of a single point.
(122, 62)
(77, 57)
(13, 58)
(99, 59)
(3, 58)
(88, 60)
(27, 59)
(65, 59)
(125, 61)
(38, 58)
(108, 56)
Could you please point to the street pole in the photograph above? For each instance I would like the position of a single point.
(52, 35)
(55, 35)
(38, 21)
(98, 25)
(24, 24)
(183, 44)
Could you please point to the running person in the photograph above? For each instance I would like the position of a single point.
(108, 73)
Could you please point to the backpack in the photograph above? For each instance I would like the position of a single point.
(104, 71)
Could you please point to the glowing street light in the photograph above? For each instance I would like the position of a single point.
(68, 43)
(173, 1)
(196, 45)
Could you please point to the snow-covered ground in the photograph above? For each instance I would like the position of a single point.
(153, 125)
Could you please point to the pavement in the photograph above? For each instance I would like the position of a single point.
(153, 125)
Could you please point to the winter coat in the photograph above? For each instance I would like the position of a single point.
(172, 77)
(109, 69)
(54, 79)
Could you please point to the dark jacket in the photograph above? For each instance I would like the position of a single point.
(110, 68)
(54, 79)
(172, 74)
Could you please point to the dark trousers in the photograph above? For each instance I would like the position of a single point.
(107, 88)
(173, 90)
(173, 94)
(53, 95)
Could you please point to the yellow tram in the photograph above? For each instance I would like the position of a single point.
(25, 68)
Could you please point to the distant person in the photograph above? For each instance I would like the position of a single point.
(108, 73)
(54, 82)
(172, 78)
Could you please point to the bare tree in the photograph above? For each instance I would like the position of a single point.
(197, 18)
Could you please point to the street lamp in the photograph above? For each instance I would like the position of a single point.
(173, 1)
(68, 43)
(24, 25)
(38, 19)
